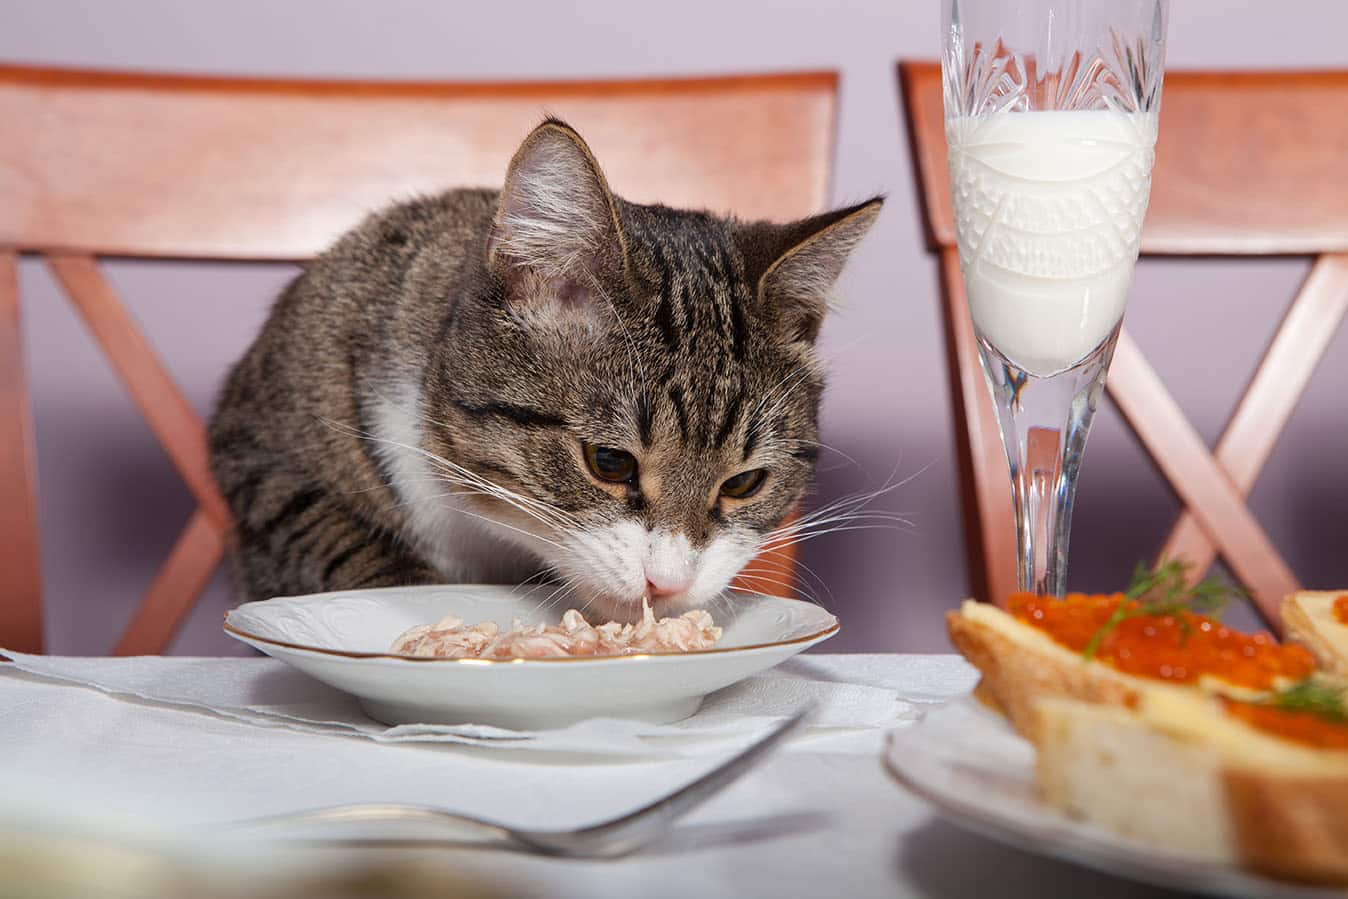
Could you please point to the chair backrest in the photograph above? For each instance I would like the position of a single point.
(107, 164)
(1235, 175)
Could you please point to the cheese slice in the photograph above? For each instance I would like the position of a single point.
(1202, 719)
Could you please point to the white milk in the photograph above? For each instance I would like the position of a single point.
(1049, 208)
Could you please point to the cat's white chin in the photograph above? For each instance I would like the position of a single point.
(622, 609)
(610, 570)
(600, 605)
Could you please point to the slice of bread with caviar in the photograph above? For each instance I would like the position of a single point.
(1318, 620)
(1020, 664)
(1109, 649)
(1261, 784)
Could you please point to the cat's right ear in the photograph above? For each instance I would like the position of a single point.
(556, 218)
(797, 264)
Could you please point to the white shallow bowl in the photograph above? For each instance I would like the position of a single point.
(343, 639)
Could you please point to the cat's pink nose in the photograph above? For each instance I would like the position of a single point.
(661, 584)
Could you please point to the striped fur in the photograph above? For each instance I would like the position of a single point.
(415, 408)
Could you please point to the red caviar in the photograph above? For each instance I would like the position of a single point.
(1341, 609)
(1180, 647)
(1299, 726)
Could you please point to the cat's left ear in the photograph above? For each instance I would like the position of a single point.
(801, 262)
(556, 216)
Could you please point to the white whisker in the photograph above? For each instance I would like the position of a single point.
(544, 513)
(472, 478)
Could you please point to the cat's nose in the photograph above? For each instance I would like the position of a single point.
(662, 583)
(668, 564)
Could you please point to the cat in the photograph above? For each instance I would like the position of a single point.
(541, 381)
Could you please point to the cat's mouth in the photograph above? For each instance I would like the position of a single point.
(627, 610)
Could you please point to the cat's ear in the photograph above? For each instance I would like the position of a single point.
(800, 262)
(556, 216)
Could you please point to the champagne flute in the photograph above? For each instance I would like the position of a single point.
(1051, 114)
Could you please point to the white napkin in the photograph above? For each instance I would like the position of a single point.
(268, 693)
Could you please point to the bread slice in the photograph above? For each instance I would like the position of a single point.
(1309, 620)
(1104, 765)
(1180, 773)
(1021, 664)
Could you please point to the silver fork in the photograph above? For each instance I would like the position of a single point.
(607, 839)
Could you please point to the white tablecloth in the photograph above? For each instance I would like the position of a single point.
(820, 819)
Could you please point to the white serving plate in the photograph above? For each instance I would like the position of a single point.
(968, 762)
(343, 638)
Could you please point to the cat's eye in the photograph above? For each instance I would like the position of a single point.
(745, 484)
(608, 464)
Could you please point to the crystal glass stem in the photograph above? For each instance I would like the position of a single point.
(1044, 423)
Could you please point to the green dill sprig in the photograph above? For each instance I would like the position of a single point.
(1162, 591)
(1315, 696)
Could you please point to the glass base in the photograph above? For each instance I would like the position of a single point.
(1044, 423)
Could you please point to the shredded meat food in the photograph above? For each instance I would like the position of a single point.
(452, 639)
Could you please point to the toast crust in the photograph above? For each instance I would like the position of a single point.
(1294, 828)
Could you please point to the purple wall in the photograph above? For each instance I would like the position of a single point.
(111, 505)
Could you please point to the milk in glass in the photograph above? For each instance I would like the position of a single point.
(1048, 209)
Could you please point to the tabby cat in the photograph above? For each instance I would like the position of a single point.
(546, 380)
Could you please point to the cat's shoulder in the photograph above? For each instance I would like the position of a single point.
(458, 206)
(407, 224)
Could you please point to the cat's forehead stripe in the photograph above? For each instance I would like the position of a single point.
(645, 419)
(664, 313)
(700, 287)
(524, 416)
(731, 419)
(680, 412)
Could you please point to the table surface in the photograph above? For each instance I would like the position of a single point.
(821, 818)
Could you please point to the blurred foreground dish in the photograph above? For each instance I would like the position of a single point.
(39, 863)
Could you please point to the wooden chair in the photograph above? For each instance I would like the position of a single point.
(103, 164)
(1236, 175)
